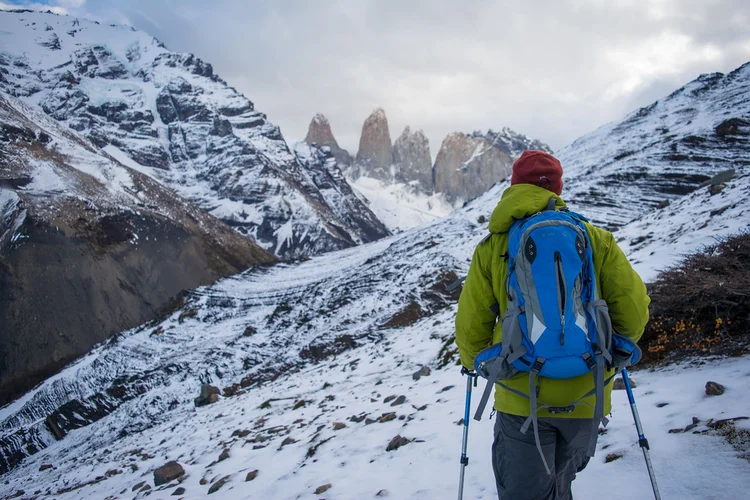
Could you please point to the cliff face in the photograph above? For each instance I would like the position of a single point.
(412, 162)
(319, 134)
(375, 155)
(89, 247)
(467, 166)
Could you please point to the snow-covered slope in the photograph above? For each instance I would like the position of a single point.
(308, 356)
(316, 351)
(89, 247)
(171, 117)
(661, 152)
(400, 206)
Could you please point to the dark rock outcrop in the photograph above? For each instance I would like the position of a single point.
(319, 134)
(375, 156)
(412, 162)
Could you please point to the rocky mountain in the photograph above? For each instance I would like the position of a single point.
(169, 116)
(412, 162)
(326, 172)
(375, 156)
(325, 368)
(319, 134)
(661, 152)
(89, 247)
(466, 166)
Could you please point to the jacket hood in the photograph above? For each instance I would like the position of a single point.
(519, 201)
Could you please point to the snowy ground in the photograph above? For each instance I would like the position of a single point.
(398, 206)
(354, 459)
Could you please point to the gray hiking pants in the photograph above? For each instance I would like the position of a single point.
(519, 470)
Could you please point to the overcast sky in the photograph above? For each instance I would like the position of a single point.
(553, 70)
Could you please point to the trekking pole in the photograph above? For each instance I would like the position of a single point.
(642, 441)
(464, 459)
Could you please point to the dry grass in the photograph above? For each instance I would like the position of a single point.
(702, 305)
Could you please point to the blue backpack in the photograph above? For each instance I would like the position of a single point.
(555, 325)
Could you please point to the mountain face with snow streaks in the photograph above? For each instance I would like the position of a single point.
(661, 152)
(89, 247)
(171, 117)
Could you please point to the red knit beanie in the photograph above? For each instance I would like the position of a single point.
(540, 169)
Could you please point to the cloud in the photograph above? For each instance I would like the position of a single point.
(550, 69)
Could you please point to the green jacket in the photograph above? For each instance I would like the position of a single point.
(476, 325)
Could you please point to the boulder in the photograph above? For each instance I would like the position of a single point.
(209, 395)
(714, 389)
(168, 472)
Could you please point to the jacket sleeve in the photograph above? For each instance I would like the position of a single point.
(620, 286)
(475, 320)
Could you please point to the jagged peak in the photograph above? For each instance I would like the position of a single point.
(321, 119)
(377, 114)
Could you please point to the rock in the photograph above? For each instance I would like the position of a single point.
(661, 405)
(382, 493)
(322, 489)
(251, 475)
(375, 154)
(224, 455)
(446, 388)
(397, 442)
(422, 372)
(389, 398)
(714, 389)
(287, 441)
(357, 419)
(467, 166)
(249, 332)
(145, 488)
(337, 426)
(168, 472)
(619, 384)
(386, 417)
(138, 486)
(412, 162)
(716, 189)
(369, 421)
(209, 395)
(662, 204)
(203, 481)
(217, 485)
(399, 401)
(241, 433)
(612, 457)
(179, 491)
(319, 133)
(45, 467)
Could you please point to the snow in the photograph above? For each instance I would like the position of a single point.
(398, 206)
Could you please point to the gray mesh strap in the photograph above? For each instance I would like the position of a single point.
(599, 405)
(512, 334)
(494, 371)
(533, 418)
(600, 329)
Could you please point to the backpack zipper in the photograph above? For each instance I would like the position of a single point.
(561, 292)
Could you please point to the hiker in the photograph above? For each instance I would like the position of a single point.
(542, 440)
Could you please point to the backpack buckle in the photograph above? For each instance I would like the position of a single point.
(538, 364)
(590, 361)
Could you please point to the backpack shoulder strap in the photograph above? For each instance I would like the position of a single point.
(551, 204)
